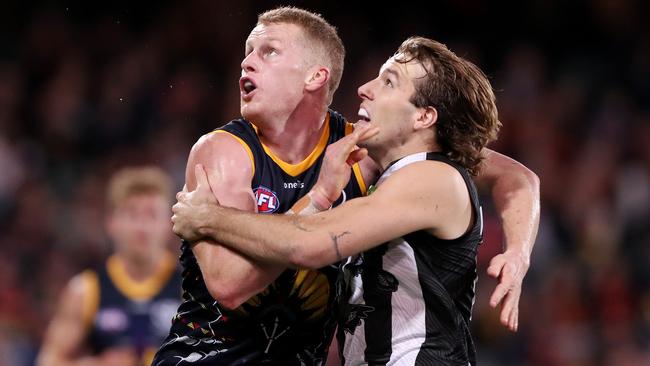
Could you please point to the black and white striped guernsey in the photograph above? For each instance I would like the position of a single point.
(410, 299)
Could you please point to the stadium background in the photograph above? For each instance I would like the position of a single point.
(85, 89)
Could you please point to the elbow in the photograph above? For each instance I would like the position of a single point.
(227, 293)
(520, 178)
(533, 180)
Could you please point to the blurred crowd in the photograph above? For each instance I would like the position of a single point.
(85, 90)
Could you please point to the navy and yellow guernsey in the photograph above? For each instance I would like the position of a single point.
(121, 312)
(292, 321)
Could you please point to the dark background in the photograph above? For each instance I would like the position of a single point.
(86, 89)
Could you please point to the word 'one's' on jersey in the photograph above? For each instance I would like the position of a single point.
(121, 312)
(291, 322)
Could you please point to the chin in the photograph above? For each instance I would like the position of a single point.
(250, 114)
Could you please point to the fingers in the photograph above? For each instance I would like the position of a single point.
(506, 310)
(510, 312)
(496, 265)
(356, 156)
(513, 323)
(364, 131)
(499, 292)
(348, 149)
(201, 177)
(180, 196)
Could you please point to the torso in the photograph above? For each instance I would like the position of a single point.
(291, 322)
(130, 313)
(410, 299)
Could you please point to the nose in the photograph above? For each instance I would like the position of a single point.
(365, 91)
(248, 63)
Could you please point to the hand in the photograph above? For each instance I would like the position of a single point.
(509, 268)
(339, 158)
(193, 208)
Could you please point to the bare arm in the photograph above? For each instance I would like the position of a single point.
(230, 277)
(193, 209)
(515, 191)
(65, 338)
(355, 226)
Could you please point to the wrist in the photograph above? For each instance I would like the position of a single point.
(319, 200)
(521, 254)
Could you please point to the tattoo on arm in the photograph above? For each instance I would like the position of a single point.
(335, 242)
(295, 220)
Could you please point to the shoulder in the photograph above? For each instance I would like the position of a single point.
(223, 152)
(223, 142)
(81, 296)
(82, 283)
(429, 180)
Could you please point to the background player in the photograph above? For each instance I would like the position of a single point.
(120, 313)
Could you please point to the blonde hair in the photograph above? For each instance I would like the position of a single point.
(138, 180)
(320, 35)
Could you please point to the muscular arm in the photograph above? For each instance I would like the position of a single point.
(230, 277)
(66, 335)
(355, 226)
(515, 191)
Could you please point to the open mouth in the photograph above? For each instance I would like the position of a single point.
(363, 115)
(247, 85)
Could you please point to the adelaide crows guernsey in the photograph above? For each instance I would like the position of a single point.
(291, 322)
(410, 299)
(121, 312)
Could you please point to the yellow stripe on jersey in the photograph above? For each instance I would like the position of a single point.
(297, 169)
(349, 127)
(140, 290)
(148, 355)
(244, 144)
(91, 297)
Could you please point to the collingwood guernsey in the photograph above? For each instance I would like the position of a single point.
(410, 299)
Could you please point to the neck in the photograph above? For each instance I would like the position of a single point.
(385, 156)
(295, 136)
(141, 268)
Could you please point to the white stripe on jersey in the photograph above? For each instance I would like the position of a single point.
(408, 308)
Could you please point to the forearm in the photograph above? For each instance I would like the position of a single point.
(516, 198)
(257, 236)
(232, 278)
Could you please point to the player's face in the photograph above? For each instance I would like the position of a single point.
(274, 72)
(140, 225)
(386, 102)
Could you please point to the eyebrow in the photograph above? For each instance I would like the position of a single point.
(394, 73)
(267, 41)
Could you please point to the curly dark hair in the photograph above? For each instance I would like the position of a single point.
(462, 95)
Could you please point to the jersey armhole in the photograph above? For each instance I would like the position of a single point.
(90, 304)
(349, 127)
(246, 147)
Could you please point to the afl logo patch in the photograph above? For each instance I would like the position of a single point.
(267, 200)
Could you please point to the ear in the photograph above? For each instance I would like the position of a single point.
(426, 118)
(317, 77)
